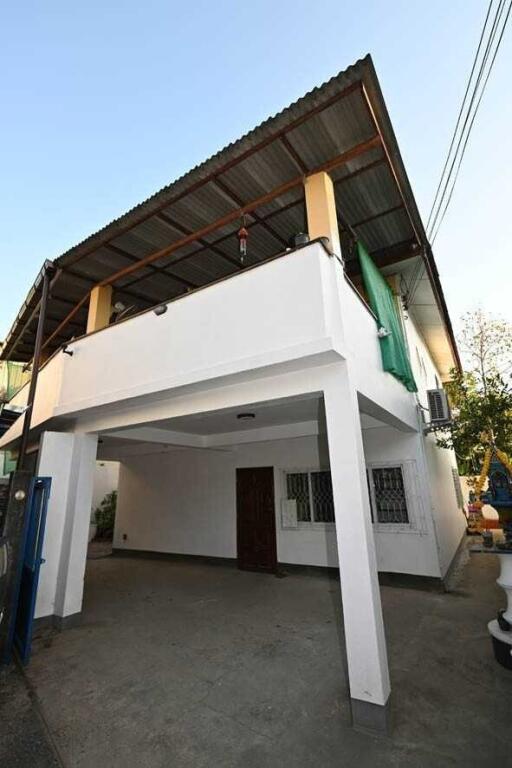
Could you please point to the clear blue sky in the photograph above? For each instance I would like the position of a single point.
(105, 102)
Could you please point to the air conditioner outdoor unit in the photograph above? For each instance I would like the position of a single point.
(438, 406)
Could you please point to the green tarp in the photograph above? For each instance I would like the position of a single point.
(395, 358)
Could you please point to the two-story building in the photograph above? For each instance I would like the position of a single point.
(235, 368)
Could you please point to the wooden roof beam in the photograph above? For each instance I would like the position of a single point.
(282, 189)
(344, 157)
(357, 86)
(153, 267)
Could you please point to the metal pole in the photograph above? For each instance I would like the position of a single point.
(48, 271)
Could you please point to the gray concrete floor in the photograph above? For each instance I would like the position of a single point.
(182, 665)
(24, 739)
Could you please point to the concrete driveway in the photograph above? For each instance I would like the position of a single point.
(189, 664)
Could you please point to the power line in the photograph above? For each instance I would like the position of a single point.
(461, 110)
(448, 179)
(463, 132)
(434, 235)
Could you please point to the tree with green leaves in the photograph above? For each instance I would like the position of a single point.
(480, 395)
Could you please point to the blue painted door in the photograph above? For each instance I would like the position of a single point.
(31, 565)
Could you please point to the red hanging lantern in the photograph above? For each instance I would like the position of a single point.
(242, 234)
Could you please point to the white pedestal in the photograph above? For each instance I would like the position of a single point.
(504, 580)
(503, 637)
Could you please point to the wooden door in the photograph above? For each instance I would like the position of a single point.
(256, 521)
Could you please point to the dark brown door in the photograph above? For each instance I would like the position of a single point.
(256, 522)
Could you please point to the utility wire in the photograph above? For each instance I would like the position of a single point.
(447, 180)
(434, 235)
(461, 110)
(463, 132)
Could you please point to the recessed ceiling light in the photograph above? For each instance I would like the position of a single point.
(246, 416)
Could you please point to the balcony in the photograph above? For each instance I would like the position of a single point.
(291, 312)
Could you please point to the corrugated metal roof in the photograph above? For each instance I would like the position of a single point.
(328, 121)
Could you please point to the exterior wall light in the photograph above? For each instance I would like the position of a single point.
(160, 310)
(246, 416)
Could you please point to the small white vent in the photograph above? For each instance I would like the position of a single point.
(438, 405)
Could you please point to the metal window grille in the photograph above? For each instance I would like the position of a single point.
(312, 492)
(297, 487)
(389, 495)
(321, 492)
(370, 496)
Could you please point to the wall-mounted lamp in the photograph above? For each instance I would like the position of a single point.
(67, 351)
(160, 310)
(246, 416)
(382, 333)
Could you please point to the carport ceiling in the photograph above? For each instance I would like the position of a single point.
(265, 415)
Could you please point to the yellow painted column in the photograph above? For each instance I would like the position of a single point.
(321, 209)
(99, 308)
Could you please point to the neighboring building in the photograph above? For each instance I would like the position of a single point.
(251, 413)
(12, 378)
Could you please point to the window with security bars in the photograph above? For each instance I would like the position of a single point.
(312, 492)
(390, 502)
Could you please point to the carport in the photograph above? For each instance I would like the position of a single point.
(186, 663)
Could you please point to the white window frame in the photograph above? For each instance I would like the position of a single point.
(302, 524)
(409, 477)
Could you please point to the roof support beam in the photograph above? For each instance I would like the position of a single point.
(376, 126)
(33, 314)
(375, 216)
(157, 270)
(344, 157)
(149, 300)
(293, 154)
(384, 257)
(300, 201)
(357, 86)
(186, 231)
(238, 200)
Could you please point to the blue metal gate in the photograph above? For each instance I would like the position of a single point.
(30, 566)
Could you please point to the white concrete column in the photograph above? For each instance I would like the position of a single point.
(69, 459)
(362, 613)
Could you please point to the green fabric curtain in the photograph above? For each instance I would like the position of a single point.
(395, 358)
(16, 377)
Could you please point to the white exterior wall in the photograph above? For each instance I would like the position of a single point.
(449, 521)
(106, 480)
(184, 501)
(412, 550)
(289, 314)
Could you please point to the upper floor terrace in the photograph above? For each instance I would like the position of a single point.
(328, 165)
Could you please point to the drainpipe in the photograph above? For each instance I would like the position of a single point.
(48, 272)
